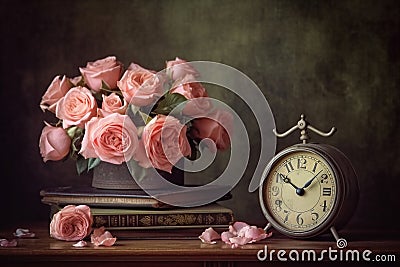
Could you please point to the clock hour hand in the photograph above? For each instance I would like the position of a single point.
(285, 179)
(311, 180)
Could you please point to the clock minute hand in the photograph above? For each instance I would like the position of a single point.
(307, 184)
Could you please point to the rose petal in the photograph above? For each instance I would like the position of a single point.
(107, 242)
(261, 237)
(80, 244)
(240, 240)
(226, 235)
(101, 237)
(7, 243)
(209, 235)
(98, 232)
(237, 227)
(255, 233)
(23, 233)
(240, 233)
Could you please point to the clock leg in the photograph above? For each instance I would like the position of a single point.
(334, 233)
(340, 242)
(267, 227)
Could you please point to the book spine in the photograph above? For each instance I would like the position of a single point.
(126, 221)
(101, 201)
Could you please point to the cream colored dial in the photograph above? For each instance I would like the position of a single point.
(300, 191)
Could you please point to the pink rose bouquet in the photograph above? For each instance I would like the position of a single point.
(114, 115)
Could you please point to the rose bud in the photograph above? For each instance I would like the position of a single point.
(54, 143)
(179, 68)
(106, 70)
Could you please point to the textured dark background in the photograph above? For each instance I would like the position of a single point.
(336, 61)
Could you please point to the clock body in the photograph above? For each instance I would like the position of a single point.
(307, 189)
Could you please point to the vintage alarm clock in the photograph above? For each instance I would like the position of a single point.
(308, 189)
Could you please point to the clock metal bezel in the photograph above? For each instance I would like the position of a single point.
(340, 191)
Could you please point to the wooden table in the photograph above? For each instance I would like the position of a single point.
(45, 251)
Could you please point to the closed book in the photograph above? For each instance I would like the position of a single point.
(95, 197)
(211, 215)
(99, 197)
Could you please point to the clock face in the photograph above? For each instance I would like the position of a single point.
(300, 191)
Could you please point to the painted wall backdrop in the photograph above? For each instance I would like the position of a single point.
(336, 61)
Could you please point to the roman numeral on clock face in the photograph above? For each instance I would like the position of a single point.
(289, 167)
(326, 191)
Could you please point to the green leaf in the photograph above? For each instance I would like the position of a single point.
(76, 139)
(93, 162)
(74, 132)
(81, 164)
(98, 96)
(71, 131)
(169, 102)
(105, 86)
(146, 118)
(105, 90)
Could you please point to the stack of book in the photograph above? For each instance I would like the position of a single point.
(135, 214)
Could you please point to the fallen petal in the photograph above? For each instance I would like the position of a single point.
(209, 235)
(242, 232)
(260, 237)
(108, 242)
(23, 233)
(226, 235)
(257, 234)
(80, 244)
(237, 226)
(98, 231)
(7, 243)
(239, 240)
(101, 237)
(254, 233)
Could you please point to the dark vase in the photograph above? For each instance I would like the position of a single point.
(112, 176)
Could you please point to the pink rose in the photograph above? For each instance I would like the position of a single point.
(113, 139)
(192, 90)
(212, 128)
(72, 223)
(140, 86)
(165, 142)
(76, 107)
(54, 143)
(107, 70)
(112, 104)
(179, 68)
(57, 89)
